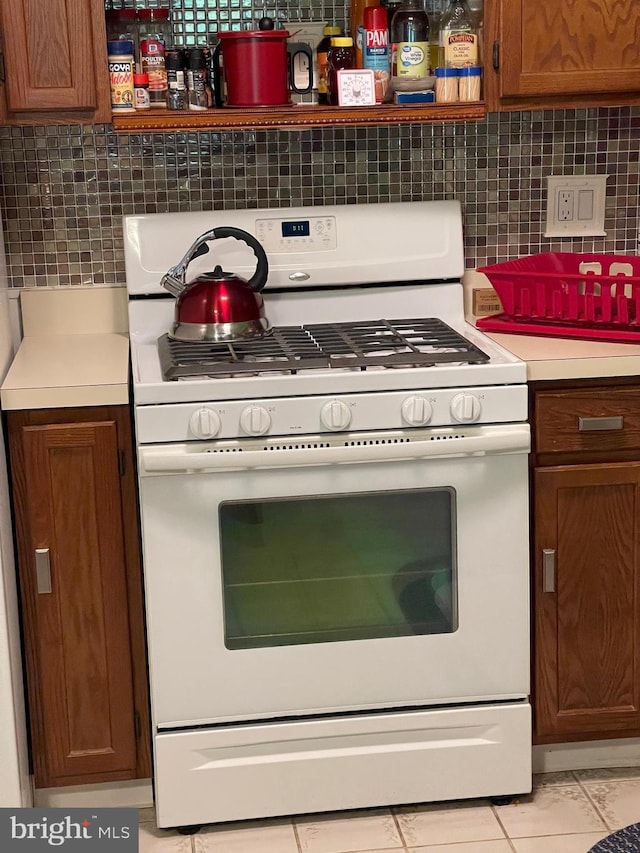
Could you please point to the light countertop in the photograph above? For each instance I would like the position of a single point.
(567, 358)
(75, 350)
(551, 358)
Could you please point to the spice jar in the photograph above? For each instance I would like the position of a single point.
(341, 56)
(121, 75)
(200, 96)
(447, 85)
(177, 99)
(152, 52)
(141, 91)
(469, 83)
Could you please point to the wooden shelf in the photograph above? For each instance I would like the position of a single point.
(297, 116)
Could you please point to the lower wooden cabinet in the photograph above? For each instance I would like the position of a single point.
(78, 556)
(586, 564)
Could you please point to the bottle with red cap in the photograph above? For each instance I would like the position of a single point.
(375, 50)
(155, 36)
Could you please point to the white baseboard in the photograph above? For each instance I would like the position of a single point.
(137, 794)
(586, 755)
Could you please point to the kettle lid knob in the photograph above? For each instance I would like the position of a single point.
(266, 24)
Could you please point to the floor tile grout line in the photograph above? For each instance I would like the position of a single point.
(501, 825)
(511, 844)
(296, 834)
(405, 844)
(595, 806)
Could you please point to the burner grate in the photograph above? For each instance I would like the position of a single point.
(290, 349)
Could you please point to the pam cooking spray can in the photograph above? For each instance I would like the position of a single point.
(375, 50)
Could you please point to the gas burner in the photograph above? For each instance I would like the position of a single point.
(291, 349)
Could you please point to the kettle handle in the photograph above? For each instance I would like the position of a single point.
(259, 278)
(174, 280)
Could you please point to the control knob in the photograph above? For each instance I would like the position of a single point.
(416, 411)
(255, 420)
(335, 416)
(465, 408)
(204, 423)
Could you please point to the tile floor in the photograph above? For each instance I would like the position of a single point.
(566, 813)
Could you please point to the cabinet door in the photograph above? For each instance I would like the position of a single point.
(563, 52)
(71, 546)
(55, 64)
(586, 601)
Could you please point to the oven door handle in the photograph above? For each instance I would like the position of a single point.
(179, 458)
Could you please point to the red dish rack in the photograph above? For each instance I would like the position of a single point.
(567, 295)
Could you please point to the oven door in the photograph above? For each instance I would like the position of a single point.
(332, 573)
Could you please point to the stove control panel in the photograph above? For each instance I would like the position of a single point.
(289, 236)
(298, 416)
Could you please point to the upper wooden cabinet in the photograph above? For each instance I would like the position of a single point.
(55, 62)
(561, 53)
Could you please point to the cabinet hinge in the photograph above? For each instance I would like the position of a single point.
(496, 56)
(121, 462)
(137, 725)
(2, 77)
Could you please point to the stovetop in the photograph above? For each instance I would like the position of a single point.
(393, 260)
(352, 346)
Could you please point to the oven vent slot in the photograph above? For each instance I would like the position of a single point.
(371, 441)
(444, 437)
(310, 445)
(322, 445)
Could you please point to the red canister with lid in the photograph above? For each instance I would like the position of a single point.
(258, 66)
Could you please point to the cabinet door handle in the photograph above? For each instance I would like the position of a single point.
(548, 570)
(496, 56)
(43, 570)
(594, 424)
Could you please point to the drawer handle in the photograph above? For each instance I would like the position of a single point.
(548, 570)
(595, 424)
(43, 570)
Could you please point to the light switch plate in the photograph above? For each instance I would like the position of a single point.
(575, 205)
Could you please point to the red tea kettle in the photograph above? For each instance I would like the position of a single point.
(258, 66)
(218, 306)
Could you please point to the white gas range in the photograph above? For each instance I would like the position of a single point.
(334, 523)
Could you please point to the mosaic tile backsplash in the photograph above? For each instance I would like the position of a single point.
(64, 190)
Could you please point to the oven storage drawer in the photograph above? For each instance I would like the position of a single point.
(296, 767)
(593, 419)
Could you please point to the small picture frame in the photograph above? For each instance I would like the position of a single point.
(356, 87)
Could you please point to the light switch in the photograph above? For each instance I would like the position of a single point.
(585, 204)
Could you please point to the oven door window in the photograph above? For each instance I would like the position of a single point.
(350, 567)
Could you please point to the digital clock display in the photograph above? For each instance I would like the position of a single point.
(295, 229)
